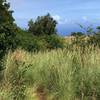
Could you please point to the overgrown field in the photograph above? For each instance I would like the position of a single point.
(52, 75)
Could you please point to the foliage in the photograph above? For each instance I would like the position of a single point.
(58, 74)
(54, 42)
(4, 95)
(90, 37)
(44, 25)
(77, 34)
(30, 42)
(61, 74)
(7, 29)
(5, 13)
(15, 75)
(98, 28)
(95, 39)
(88, 30)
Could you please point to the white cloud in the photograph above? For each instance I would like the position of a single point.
(63, 21)
(60, 20)
(57, 17)
(85, 18)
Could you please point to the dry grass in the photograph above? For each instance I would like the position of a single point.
(56, 75)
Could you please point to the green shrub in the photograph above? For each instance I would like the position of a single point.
(30, 42)
(54, 42)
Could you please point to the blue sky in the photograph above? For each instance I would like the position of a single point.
(67, 12)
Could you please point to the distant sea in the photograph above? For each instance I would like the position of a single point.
(66, 30)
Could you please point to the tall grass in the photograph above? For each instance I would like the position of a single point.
(53, 75)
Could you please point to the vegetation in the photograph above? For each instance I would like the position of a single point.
(37, 64)
(77, 34)
(56, 75)
(7, 29)
(31, 43)
(44, 25)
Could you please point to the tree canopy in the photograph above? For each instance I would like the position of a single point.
(7, 28)
(44, 25)
(5, 13)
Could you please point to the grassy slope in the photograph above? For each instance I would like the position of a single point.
(60, 74)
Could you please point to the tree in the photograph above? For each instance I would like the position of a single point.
(7, 29)
(77, 34)
(98, 28)
(88, 30)
(5, 13)
(44, 25)
(95, 38)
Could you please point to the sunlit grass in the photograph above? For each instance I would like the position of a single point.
(57, 74)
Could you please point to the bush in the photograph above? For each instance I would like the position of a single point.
(30, 42)
(54, 42)
(95, 39)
